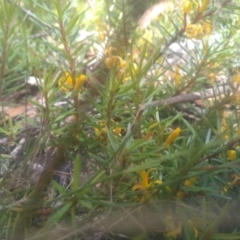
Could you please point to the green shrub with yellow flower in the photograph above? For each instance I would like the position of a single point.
(134, 131)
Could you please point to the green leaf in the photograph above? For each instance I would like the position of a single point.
(76, 173)
(86, 204)
(60, 213)
(58, 187)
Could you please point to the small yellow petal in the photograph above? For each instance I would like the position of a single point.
(238, 133)
(100, 130)
(155, 182)
(174, 233)
(180, 194)
(149, 134)
(187, 7)
(113, 62)
(190, 181)
(144, 186)
(136, 187)
(79, 82)
(171, 137)
(110, 51)
(204, 5)
(194, 31)
(207, 28)
(117, 130)
(236, 79)
(144, 178)
(231, 155)
(110, 62)
(176, 77)
(224, 190)
(191, 223)
(66, 83)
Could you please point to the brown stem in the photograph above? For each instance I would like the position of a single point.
(71, 62)
(109, 108)
(3, 64)
(189, 97)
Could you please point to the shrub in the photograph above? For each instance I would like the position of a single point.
(134, 130)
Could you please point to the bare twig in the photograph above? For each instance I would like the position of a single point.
(189, 97)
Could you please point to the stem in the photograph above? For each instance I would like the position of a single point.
(3, 64)
(124, 25)
(71, 62)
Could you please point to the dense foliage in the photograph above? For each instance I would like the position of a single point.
(119, 119)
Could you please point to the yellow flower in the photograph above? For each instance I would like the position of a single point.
(189, 182)
(113, 62)
(176, 77)
(66, 83)
(236, 98)
(145, 184)
(171, 137)
(194, 31)
(174, 233)
(193, 224)
(236, 78)
(231, 155)
(207, 28)
(101, 130)
(235, 182)
(224, 129)
(180, 194)
(110, 51)
(173, 230)
(238, 133)
(204, 5)
(149, 134)
(224, 189)
(117, 130)
(187, 6)
(198, 31)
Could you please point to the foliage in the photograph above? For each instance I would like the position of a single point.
(114, 89)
